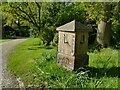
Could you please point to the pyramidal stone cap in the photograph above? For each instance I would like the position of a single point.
(74, 26)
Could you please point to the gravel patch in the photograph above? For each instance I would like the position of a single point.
(7, 80)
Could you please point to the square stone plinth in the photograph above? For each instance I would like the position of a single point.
(72, 62)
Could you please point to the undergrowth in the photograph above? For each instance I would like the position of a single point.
(37, 66)
(48, 75)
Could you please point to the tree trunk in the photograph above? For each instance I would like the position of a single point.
(104, 27)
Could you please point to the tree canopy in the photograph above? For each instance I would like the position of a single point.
(44, 16)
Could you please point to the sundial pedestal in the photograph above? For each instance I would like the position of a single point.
(72, 45)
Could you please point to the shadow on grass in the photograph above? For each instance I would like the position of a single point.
(108, 72)
(40, 47)
(102, 72)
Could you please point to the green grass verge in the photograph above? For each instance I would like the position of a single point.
(4, 40)
(37, 66)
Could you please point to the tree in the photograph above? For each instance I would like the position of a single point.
(104, 27)
(54, 14)
(102, 13)
(26, 11)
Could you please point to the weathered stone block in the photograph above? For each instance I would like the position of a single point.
(72, 45)
(81, 61)
(72, 62)
(66, 61)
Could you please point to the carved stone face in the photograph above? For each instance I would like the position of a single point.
(66, 43)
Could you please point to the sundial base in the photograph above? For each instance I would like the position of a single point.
(73, 62)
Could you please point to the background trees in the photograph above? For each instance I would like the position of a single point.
(105, 15)
(22, 14)
(55, 14)
(43, 17)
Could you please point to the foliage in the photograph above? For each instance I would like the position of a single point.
(22, 10)
(22, 14)
(115, 37)
(33, 32)
(94, 47)
(55, 40)
(8, 32)
(47, 34)
(40, 68)
(39, 16)
(23, 31)
(116, 26)
(54, 14)
(98, 11)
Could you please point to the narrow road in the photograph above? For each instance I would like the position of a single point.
(7, 80)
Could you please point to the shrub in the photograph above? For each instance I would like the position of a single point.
(54, 42)
(23, 31)
(47, 34)
(8, 32)
(115, 41)
(33, 32)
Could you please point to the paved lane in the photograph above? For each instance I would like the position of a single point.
(6, 79)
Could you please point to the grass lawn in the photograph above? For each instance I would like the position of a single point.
(4, 40)
(37, 66)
